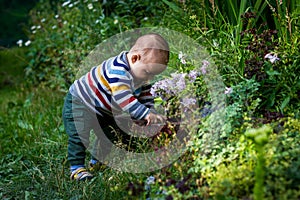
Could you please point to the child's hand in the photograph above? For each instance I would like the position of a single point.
(152, 118)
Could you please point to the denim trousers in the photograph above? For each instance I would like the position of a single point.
(79, 121)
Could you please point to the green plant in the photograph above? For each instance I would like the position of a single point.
(282, 161)
(282, 86)
(260, 138)
(13, 61)
(63, 33)
(286, 18)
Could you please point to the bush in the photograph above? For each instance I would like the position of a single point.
(63, 33)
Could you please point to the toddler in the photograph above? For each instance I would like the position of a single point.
(119, 84)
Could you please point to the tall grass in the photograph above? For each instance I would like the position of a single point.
(33, 152)
(230, 12)
(285, 15)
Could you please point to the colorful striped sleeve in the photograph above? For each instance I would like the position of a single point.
(145, 97)
(120, 85)
(122, 95)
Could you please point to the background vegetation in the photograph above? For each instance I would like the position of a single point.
(14, 17)
(253, 155)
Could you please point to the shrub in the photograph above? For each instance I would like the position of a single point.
(63, 33)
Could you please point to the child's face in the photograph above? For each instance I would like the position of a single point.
(144, 70)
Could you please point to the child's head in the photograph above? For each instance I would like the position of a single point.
(148, 57)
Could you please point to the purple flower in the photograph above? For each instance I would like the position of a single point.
(178, 82)
(154, 90)
(187, 101)
(193, 75)
(169, 87)
(205, 64)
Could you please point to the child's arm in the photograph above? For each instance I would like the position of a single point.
(146, 98)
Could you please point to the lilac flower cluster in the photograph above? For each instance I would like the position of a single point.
(174, 86)
(170, 86)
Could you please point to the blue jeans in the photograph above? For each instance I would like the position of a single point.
(79, 120)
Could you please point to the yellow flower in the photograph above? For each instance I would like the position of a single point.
(193, 17)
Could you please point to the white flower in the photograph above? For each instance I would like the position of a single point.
(90, 6)
(146, 18)
(228, 90)
(20, 42)
(33, 27)
(43, 20)
(272, 58)
(71, 5)
(181, 57)
(150, 180)
(65, 3)
(38, 27)
(27, 43)
(183, 61)
(116, 21)
(56, 16)
(54, 27)
(215, 44)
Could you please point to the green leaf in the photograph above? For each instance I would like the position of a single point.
(25, 125)
(172, 6)
(273, 72)
(285, 103)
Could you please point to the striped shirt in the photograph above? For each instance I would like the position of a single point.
(109, 88)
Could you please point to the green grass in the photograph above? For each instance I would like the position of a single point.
(33, 148)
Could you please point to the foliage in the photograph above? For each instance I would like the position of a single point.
(286, 18)
(260, 138)
(63, 33)
(228, 157)
(61, 37)
(282, 87)
(13, 61)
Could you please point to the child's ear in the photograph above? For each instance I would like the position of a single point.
(135, 57)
